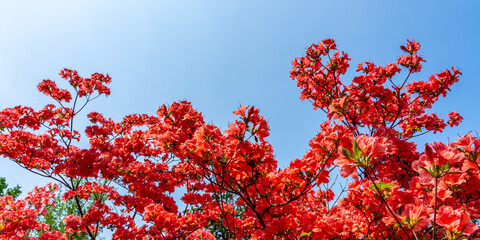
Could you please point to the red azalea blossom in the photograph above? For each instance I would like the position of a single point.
(455, 220)
(171, 175)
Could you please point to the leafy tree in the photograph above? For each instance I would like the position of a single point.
(62, 209)
(4, 190)
(54, 215)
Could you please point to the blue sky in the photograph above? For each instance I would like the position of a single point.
(220, 54)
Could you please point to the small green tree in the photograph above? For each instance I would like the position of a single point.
(4, 190)
(55, 215)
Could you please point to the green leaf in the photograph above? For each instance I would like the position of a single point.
(446, 167)
(426, 170)
(305, 234)
(381, 186)
(347, 153)
(356, 150)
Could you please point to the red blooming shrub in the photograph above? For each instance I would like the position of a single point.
(18, 218)
(232, 185)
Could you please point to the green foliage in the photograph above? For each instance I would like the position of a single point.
(356, 149)
(306, 234)
(4, 190)
(381, 186)
(219, 228)
(55, 215)
(347, 153)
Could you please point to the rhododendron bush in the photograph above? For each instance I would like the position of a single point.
(229, 182)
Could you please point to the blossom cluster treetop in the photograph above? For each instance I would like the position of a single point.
(125, 178)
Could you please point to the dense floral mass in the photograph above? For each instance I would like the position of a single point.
(230, 185)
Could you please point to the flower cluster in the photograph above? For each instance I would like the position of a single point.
(173, 176)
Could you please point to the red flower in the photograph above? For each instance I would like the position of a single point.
(365, 148)
(455, 221)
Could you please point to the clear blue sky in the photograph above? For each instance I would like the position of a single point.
(219, 54)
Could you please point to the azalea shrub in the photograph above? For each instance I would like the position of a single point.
(125, 178)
